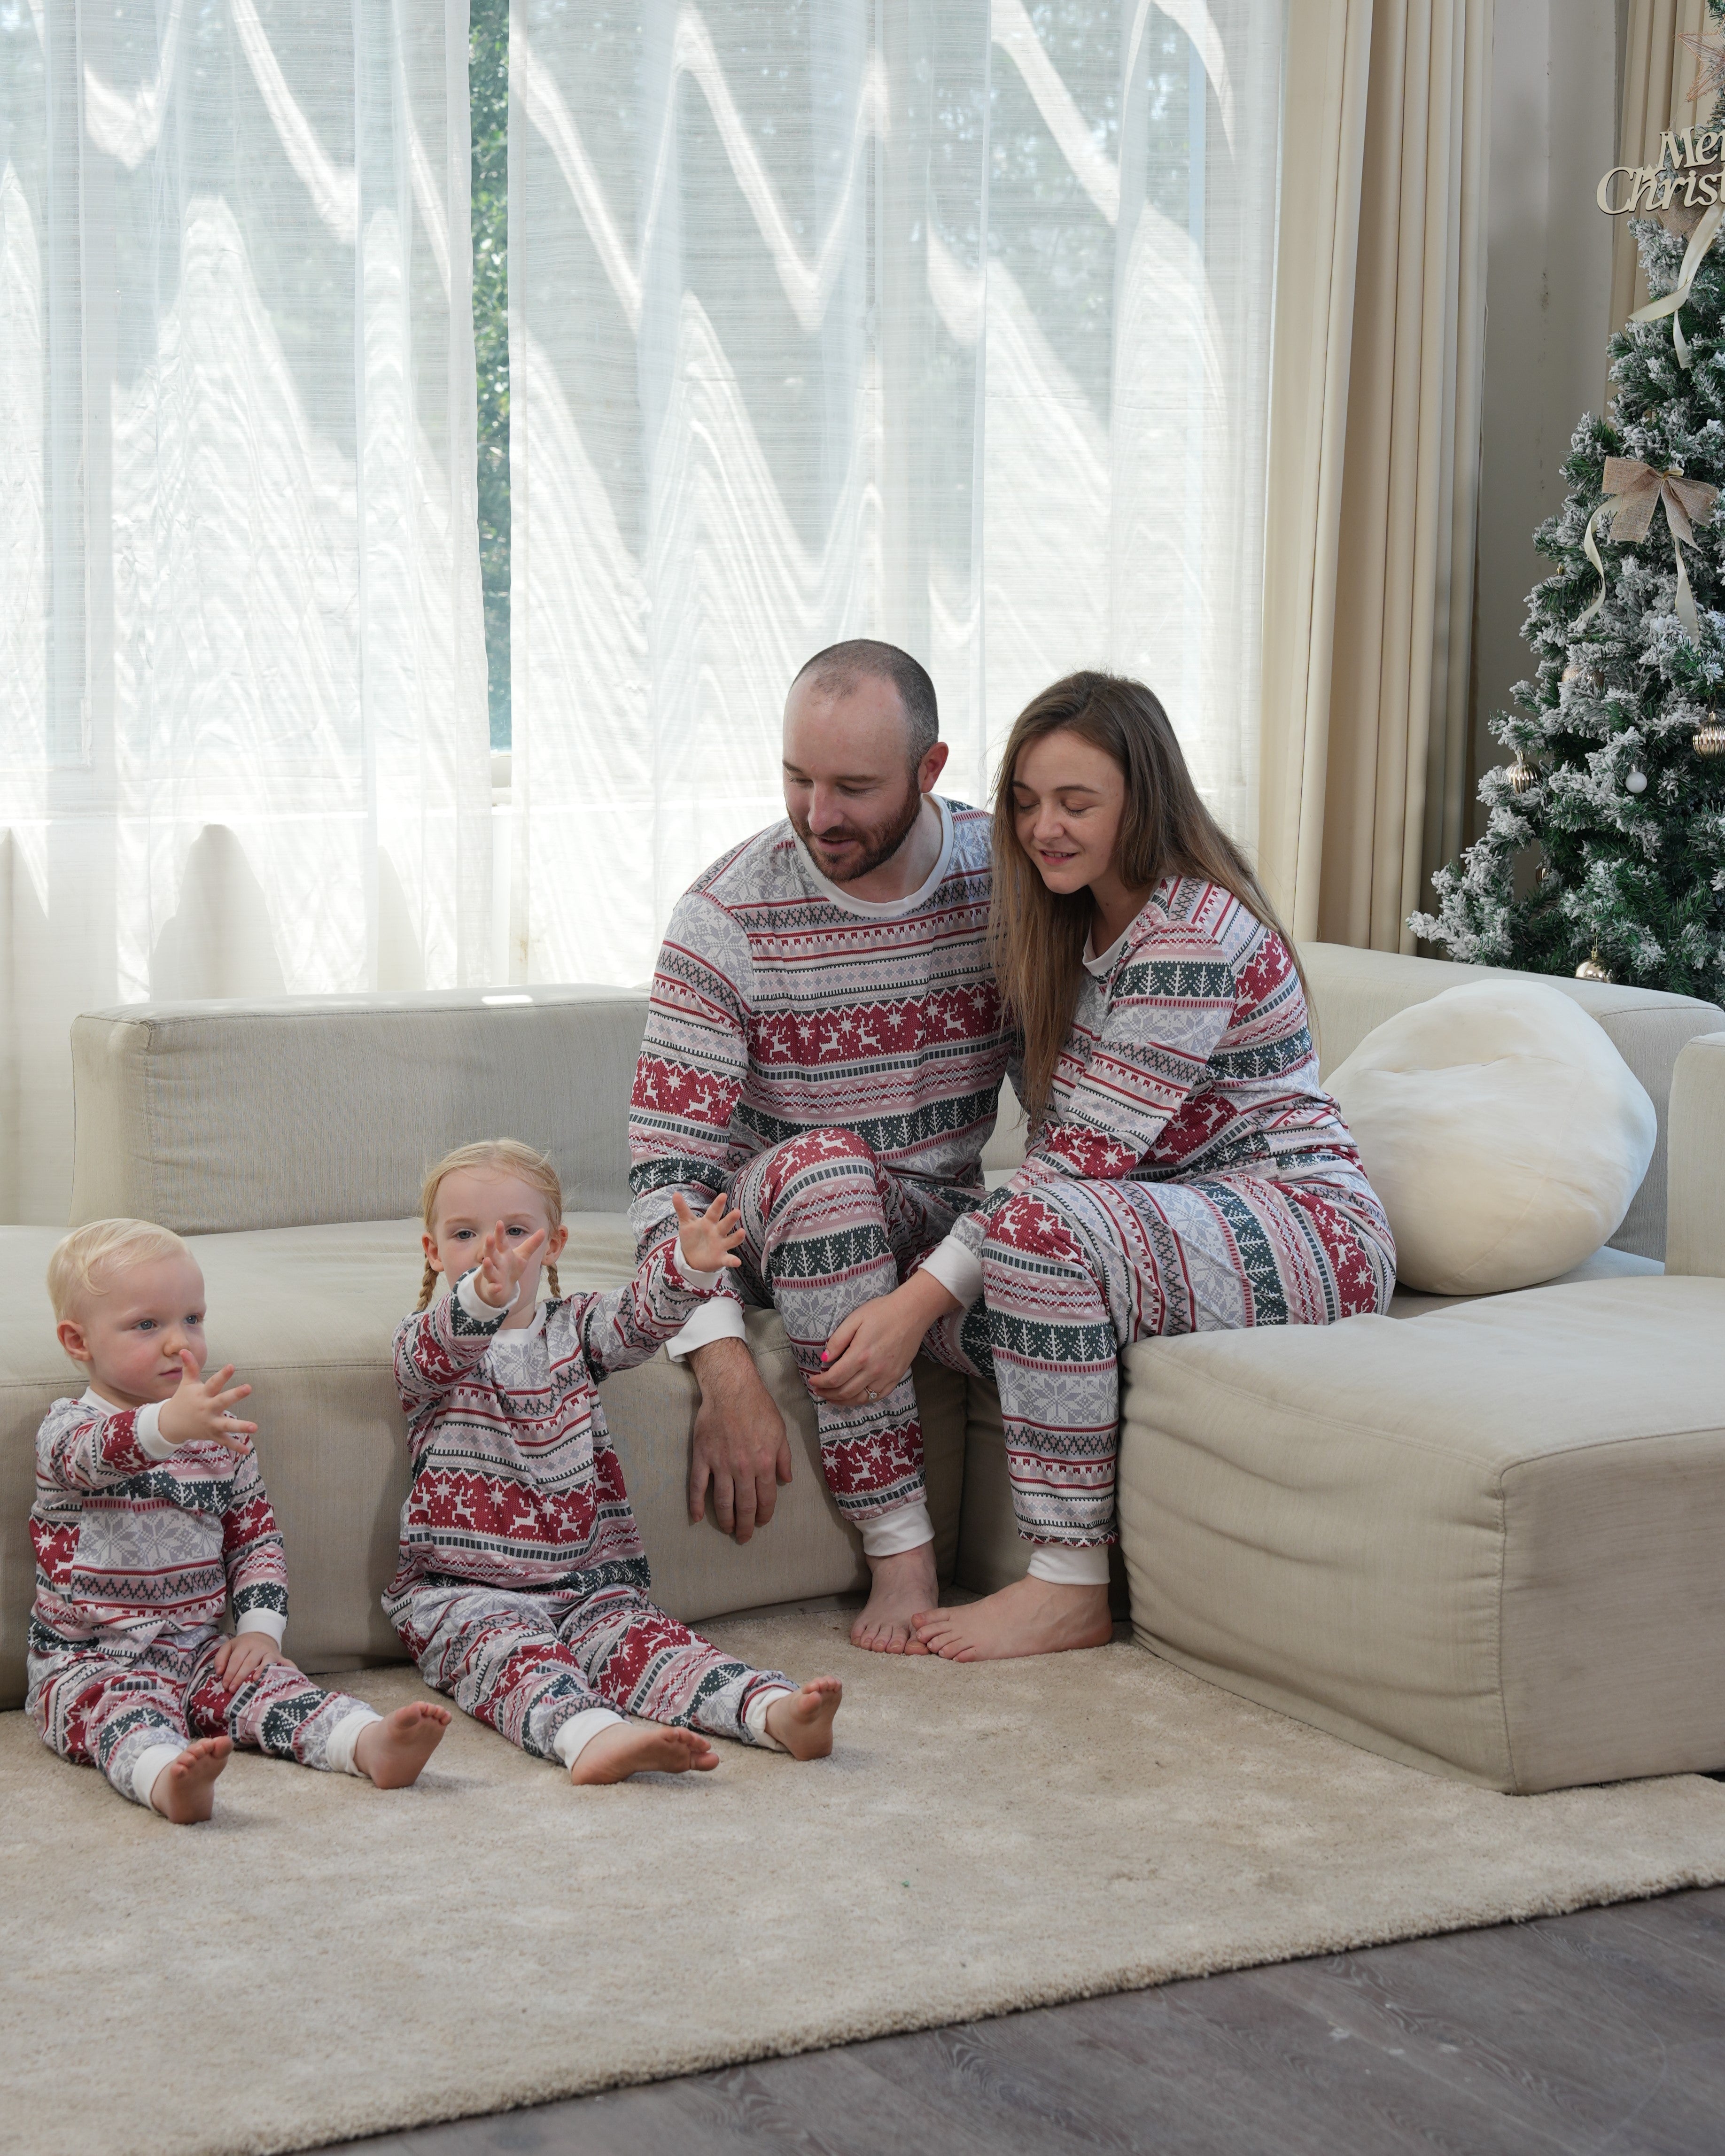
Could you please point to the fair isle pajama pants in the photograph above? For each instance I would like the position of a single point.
(1074, 1272)
(129, 1713)
(826, 1228)
(527, 1665)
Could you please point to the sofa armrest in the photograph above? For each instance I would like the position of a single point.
(1695, 1230)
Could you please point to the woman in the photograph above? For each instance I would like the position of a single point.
(1185, 1172)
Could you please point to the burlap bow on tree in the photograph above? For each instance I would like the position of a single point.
(1633, 490)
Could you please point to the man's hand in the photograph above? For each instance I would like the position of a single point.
(740, 1445)
(244, 1655)
(876, 1346)
(201, 1409)
(501, 1264)
(706, 1243)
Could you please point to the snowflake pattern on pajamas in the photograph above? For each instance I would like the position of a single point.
(1189, 1176)
(832, 1067)
(520, 1589)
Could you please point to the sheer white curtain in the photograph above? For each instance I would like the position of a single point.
(943, 321)
(243, 732)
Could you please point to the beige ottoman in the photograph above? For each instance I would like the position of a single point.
(1490, 1542)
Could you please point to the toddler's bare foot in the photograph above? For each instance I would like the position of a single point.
(622, 1749)
(185, 1790)
(802, 1720)
(391, 1751)
(1030, 1617)
(903, 1586)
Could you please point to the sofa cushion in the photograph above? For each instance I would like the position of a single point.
(308, 1316)
(1486, 1544)
(1501, 1129)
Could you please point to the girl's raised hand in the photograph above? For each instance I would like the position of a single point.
(705, 1244)
(501, 1264)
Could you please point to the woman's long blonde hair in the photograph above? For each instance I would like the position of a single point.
(1036, 935)
(514, 1158)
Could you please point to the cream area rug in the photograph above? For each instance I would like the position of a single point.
(324, 1961)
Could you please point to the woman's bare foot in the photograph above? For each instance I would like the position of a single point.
(1030, 1617)
(802, 1720)
(185, 1790)
(622, 1749)
(903, 1586)
(391, 1751)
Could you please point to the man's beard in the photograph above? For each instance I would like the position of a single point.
(878, 846)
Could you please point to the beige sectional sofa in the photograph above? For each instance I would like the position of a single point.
(1412, 1535)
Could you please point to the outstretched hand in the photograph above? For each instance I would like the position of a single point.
(201, 1408)
(706, 1243)
(501, 1264)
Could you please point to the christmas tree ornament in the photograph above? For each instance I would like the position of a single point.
(1580, 677)
(1633, 491)
(1590, 970)
(1636, 783)
(1711, 739)
(1520, 775)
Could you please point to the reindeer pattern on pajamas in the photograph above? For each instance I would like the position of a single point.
(140, 1546)
(521, 1590)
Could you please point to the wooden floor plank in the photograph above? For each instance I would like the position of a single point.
(1599, 2034)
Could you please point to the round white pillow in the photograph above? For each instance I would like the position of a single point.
(1503, 1131)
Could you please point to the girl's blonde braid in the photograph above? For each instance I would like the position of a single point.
(428, 1288)
(551, 1274)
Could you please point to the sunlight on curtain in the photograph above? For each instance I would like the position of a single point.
(945, 321)
(243, 745)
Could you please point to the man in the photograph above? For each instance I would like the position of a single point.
(825, 1044)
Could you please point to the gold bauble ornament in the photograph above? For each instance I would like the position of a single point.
(1520, 776)
(1590, 970)
(1711, 739)
(1582, 677)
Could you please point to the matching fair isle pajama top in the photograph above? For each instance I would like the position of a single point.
(832, 1065)
(1189, 1176)
(140, 1546)
(521, 1587)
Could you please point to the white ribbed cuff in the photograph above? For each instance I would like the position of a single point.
(754, 1715)
(1062, 1565)
(148, 1765)
(338, 1753)
(147, 1430)
(890, 1534)
(474, 1303)
(263, 1620)
(706, 1283)
(579, 1730)
(957, 1269)
(720, 1319)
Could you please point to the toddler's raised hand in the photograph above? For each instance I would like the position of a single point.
(202, 1409)
(706, 1243)
(501, 1264)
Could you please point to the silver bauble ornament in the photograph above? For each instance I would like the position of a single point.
(1636, 783)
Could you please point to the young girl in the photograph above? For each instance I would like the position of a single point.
(521, 1590)
(1186, 1172)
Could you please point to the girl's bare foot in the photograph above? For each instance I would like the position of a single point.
(185, 1790)
(802, 1720)
(622, 1749)
(902, 1585)
(391, 1751)
(1030, 1617)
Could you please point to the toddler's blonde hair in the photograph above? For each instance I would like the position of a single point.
(100, 1247)
(514, 1158)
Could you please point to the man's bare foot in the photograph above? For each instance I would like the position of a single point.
(185, 1790)
(903, 1585)
(622, 1749)
(802, 1720)
(1030, 1617)
(391, 1751)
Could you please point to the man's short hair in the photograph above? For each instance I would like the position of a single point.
(838, 669)
(86, 1262)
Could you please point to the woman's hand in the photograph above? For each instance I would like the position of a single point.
(705, 1244)
(876, 1344)
(501, 1264)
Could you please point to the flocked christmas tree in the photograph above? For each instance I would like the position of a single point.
(1619, 744)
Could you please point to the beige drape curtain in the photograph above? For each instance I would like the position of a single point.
(1658, 74)
(1374, 453)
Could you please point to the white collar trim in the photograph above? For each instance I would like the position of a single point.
(890, 909)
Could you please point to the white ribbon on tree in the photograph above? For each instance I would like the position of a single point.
(1633, 491)
(1700, 240)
